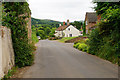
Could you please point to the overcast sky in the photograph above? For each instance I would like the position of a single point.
(60, 10)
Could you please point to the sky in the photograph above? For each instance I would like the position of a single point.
(60, 10)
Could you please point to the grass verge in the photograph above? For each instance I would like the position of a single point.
(34, 37)
(10, 73)
(65, 39)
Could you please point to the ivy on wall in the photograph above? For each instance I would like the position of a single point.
(15, 15)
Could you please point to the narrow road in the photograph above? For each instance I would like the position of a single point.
(59, 60)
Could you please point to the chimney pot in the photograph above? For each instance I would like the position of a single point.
(64, 23)
(68, 22)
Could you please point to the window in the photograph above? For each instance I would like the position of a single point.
(70, 35)
(69, 29)
(86, 23)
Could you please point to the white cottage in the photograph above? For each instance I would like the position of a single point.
(67, 31)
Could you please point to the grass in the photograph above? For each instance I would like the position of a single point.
(66, 38)
(34, 37)
(10, 73)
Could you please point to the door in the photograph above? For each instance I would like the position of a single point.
(70, 35)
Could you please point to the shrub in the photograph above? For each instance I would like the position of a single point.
(88, 49)
(80, 41)
(86, 41)
(75, 42)
(34, 37)
(76, 45)
(94, 41)
(82, 47)
(10, 73)
(104, 40)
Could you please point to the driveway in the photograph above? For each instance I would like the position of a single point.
(60, 60)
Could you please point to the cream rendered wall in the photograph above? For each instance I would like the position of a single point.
(58, 33)
(1, 72)
(6, 51)
(74, 31)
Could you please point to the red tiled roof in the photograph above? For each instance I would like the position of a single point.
(62, 27)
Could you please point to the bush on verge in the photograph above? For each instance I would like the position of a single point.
(76, 45)
(82, 47)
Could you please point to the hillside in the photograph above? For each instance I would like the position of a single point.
(52, 23)
(44, 27)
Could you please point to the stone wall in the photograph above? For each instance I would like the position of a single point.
(75, 39)
(6, 51)
(29, 29)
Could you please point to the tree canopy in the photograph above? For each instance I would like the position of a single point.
(104, 41)
(44, 28)
(77, 24)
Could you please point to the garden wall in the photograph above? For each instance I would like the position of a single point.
(6, 51)
(75, 39)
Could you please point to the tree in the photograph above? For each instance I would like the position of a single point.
(47, 30)
(41, 28)
(78, 24)
(103, 6)
(104, 41)
(84, 28)
(51, 34)
(41, 33)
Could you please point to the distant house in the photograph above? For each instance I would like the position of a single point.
(67, 30)
(90, 21)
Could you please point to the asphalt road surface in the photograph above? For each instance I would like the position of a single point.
(59, 60)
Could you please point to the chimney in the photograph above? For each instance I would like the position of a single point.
(60, 25)
(63, 23)
(68, 22)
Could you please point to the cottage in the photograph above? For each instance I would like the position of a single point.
(90, 21)
(67, 30)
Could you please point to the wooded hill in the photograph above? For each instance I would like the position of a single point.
(52, 23)
(44, 27)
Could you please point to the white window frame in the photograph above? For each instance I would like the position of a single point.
(70, 35)
(68, 29)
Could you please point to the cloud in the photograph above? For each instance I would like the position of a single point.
(60, 10)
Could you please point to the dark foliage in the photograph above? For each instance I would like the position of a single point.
(104, 41)
(49, 23)
(14, 15)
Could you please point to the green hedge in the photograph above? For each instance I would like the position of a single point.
(81, 46)
(76, 45)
